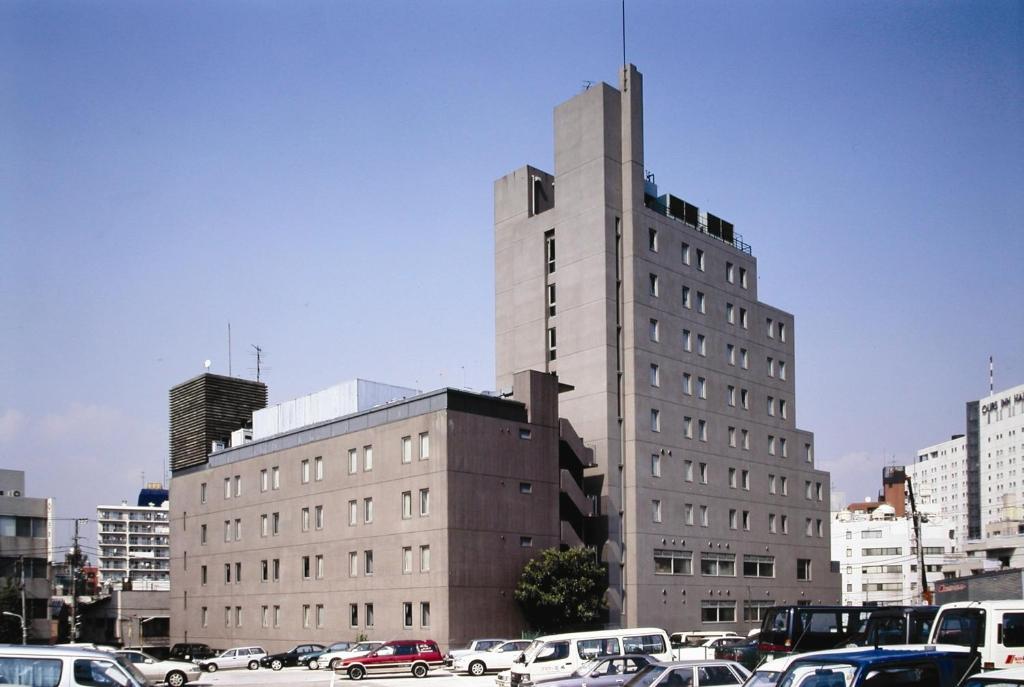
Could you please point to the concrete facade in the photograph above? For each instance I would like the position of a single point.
(683, 380)
(26, 550)
(940, 480)
(1000, 451)
(877, 551)
(409, 520)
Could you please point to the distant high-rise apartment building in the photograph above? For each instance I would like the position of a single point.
(134, 542)
(26, 550)
(970, 474)
(205, 410)
(939, 479)
(683, 379)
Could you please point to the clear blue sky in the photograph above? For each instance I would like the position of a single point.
(320, 175)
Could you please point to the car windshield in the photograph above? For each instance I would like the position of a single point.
(646, 676)
(363, 646)
(819, 675)
(763, 678)
(339, 646)
(533, 650)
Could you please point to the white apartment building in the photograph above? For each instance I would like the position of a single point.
(877, 551)
(1000, 450)
(134, 544)
(940, 480)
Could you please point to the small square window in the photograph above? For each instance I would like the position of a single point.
(656, 510)
(655, 420)
(729, 276)
(652, 330)
(652, 240)
(655, 465)
(686, 254)
(700, 259)
(655, 376)
(653, 284)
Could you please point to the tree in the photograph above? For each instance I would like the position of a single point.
(562, 589)
(10, 600)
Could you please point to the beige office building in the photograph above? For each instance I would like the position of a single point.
(411, 519)
(683, 379)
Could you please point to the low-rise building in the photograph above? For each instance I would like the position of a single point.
(26, 551)
(877, 548)
(412, 518)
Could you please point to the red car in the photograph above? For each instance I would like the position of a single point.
(416, 656)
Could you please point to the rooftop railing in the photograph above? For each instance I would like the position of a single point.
(737, 240)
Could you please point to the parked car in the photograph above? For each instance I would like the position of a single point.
(416, 656)
(332, 659)
(296, 656)
(498, 657)
(798, 629)
(679, 640)
(473, 647)
(239, 657)
(316, 662)
(995, 628)
(743, 652)
(690, 674)
(704, 650)
(62, 666)
(889, 667)
(606, 671)
(895, 626)
(174, 673)
(190, 652)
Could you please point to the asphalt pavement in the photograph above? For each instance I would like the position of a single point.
(327, 678)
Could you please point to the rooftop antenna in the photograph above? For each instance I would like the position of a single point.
(259, 360)
(229, 349)
(624, 34)
(991, 376)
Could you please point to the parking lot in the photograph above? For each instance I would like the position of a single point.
(324, 678)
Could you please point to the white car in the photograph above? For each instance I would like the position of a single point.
(239, 657)
(333, 659)
(997, 678)
(496, 658)
(473, 647)
(174, 673)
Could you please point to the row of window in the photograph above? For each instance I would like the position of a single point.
(813, 491)
(312, 567)
(675, 562)
(678, 562)
(774, 367)
(315, 615)
(685, 256)
(813, 527)
(270, 523)
(313, 469)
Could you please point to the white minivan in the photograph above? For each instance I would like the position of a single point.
(555, 656)
(995, 627)
(55, 666)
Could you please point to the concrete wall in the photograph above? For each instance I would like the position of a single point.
(477, 514)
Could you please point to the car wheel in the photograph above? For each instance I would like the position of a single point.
(314, 664)
(211, 667)
(175, 678)
(477, 668)
(276, 664)
(419, 670)
(356, 673)
(335, 663)
(254, 665)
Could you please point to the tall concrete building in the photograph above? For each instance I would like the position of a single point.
(134, 542)
(971, 475)
(408, 519)
(683, 380)
(940, 480)
(26, 551)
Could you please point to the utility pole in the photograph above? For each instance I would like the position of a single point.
(24, 625)
(75, 564)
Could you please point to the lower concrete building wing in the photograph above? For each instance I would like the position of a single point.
(412, 519)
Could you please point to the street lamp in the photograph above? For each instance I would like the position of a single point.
(24, 630)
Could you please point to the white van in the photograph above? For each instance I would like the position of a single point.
(556, 656)
(995, 627)
(56, 666)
